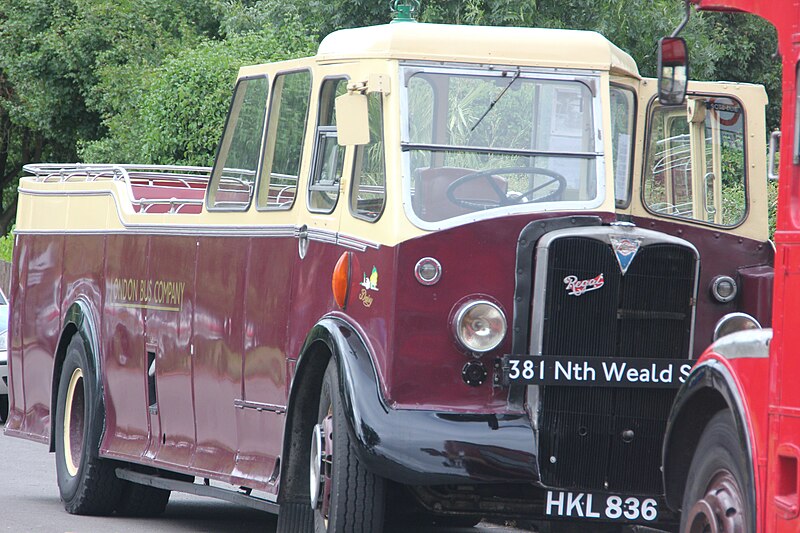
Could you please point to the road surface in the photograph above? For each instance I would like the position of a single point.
(29, 503)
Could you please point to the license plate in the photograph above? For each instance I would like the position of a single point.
(600, 506)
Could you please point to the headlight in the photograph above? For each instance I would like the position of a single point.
(733, 322)
(480, 326)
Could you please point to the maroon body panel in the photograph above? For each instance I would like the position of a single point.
(37, 324)
(267, 304)
(218, 342)
(123, 344)
(169, 334)
(723, 254)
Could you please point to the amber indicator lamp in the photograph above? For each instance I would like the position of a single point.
(340, 282)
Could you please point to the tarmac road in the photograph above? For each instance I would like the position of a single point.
(29, 503)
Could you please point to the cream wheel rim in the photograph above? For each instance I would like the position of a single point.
(74, 421)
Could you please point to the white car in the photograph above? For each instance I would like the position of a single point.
(3, 357)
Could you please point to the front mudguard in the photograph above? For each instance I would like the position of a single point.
(418, 447)
(713, 386)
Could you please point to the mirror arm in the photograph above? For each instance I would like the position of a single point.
(685, 19)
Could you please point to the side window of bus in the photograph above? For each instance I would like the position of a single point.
(796, 150)
(368, 195)
(288, 113)
(696, 161)
(623, 116)
(236, 165)
(328, 162)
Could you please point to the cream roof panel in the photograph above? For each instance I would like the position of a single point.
(479, 44)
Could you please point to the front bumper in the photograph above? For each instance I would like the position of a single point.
(431, 448)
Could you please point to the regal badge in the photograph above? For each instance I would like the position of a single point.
(625, 249)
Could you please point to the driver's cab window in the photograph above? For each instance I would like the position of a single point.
(506, 140)
(695, 166)
(328, 162)
(623, 115)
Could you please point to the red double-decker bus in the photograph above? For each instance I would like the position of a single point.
(732, 449)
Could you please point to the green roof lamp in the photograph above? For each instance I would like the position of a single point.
(404, 10)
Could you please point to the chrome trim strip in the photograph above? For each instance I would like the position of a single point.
(258, 406)
(321, 235)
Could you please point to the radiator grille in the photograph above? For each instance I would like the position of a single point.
(645, 313)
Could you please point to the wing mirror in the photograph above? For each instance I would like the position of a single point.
(352, 119)
(673, 70)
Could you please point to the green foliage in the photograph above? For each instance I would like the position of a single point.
(182, 104)
(7, 247)
(64, 57)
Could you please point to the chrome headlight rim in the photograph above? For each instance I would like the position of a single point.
(465, 307)
(728, 324)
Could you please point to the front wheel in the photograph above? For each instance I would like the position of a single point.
(87, 484)
(345, 496)
(716, 497)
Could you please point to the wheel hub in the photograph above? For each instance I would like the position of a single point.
(74, 422)
(321, 465)
(721, 510)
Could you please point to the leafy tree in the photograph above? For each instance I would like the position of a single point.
(66, 66)
(181, 105)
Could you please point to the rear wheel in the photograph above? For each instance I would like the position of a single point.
(715, 498)
(3, 408)
(345, 496)
(87, 484)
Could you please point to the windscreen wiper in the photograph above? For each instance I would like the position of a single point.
(497, 99)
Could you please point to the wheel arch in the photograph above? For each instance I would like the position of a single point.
(331, 337)
(79, 319)
(709, 389)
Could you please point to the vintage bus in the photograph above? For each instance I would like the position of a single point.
(440, 272)
(731, 455)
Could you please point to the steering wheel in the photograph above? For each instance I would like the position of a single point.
(502, 198)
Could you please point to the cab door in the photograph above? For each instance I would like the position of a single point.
(703, 178)
(261, 408)
(222, 255)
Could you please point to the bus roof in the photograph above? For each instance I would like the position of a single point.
(537, 47)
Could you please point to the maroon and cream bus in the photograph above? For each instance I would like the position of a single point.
(455, 272)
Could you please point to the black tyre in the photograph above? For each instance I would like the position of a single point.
(141, 500)
(87, 484)
(346, 498)
(296, 517)
(3, 408)
(716, 497)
